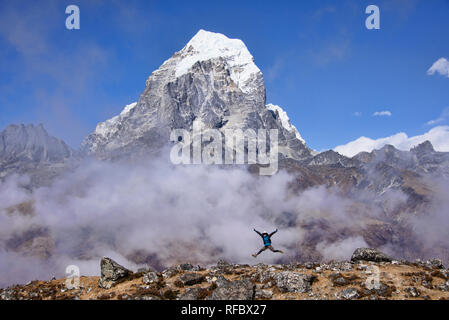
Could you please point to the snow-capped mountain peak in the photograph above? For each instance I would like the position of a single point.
(212, 82)
(207, 45)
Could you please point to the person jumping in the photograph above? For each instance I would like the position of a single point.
(266, 242)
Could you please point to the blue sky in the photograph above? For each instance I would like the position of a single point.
(320, 63)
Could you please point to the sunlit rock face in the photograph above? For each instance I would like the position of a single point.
(212, 83)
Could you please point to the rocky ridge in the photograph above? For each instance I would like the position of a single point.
(29, 149)
(344, 280)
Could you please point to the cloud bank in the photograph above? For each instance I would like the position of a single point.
(438, 136)
(148, 213)
(157, 214)
(154, 213)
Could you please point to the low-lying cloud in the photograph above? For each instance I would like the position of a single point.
(154, 213)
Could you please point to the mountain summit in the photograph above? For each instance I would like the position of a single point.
(31, 143)
(212, 83)
(29, 149)
(209, 45)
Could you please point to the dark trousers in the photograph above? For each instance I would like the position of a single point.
(267, 247)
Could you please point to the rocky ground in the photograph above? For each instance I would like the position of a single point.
(370, 275)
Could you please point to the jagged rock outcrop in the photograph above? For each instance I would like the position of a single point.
(111, 273)
(423, 149)
(420, 159)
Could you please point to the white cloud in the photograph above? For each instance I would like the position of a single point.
(443, 117)
(382, 113)
(438, 136)
(441, 66)
(341, 250)
(357, 114)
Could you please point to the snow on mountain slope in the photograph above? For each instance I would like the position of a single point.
(109, 126)
(285, 120)
(207, 45)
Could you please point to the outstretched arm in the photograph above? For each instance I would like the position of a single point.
(258, 232)
(273, 232)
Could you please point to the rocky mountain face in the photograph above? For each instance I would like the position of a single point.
(212, 83)
(410, 171)
(31, 150)
(370, 275)
(421, 159)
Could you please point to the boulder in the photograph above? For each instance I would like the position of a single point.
(7, 294)
(234, 290)
(444, 286)
(263, 276)
(111, 273)
(437, 263)
(194, 294)
(188, 267)
(144, 270)
(350, 293)
(341, 266)
(263, 294)
(289, 281)
(223, 264)
(369, 254)
(381, 289)
(217, 280)
(170, 272)
(189, 279)
(340, 281)
(413, 292)
(150, 277)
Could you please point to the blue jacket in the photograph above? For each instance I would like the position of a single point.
(266, 237)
